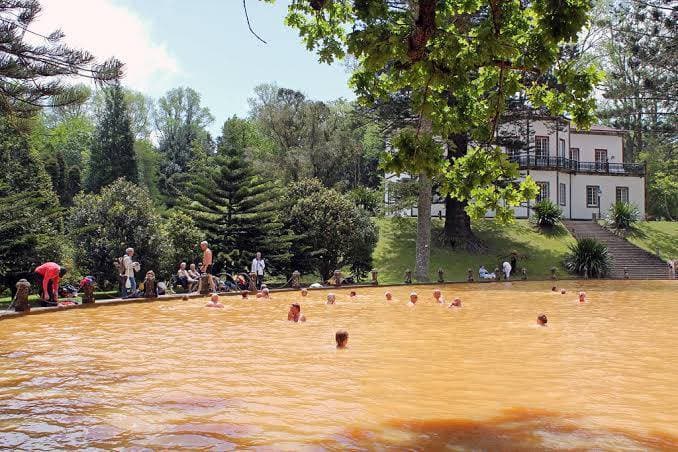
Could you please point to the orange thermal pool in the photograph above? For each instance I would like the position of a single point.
(174, 374)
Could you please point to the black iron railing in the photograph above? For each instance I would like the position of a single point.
(526, 161)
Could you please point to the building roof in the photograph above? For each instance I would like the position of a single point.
(599, 129)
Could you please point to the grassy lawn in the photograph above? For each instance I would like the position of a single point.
(537, 252)
(661, 236)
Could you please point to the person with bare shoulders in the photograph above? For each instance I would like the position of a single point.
(244, 294)
(563, 291)
(331, 298)
(206, 266)
(456, 303)
(214, 302)
(582, 297)
(388, 295)
(438, 296)
(342, 338)
(304, 292)
(294, 314)
(413, 299)
(265, 293)
(542, 320)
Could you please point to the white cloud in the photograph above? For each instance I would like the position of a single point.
(109, 30)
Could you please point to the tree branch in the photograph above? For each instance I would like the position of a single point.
(244, 7)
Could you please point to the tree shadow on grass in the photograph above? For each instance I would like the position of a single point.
(516, 430)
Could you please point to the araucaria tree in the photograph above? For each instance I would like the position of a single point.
(458, 63)
(235, 207)
(33, 68)
(113, 154)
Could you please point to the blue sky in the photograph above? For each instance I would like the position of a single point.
(204, 44)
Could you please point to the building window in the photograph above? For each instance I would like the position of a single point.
(574, 154)
(543, 191)
(562, 148)
(541, 146)
(622, 194)
(592, 195)
(563, 194)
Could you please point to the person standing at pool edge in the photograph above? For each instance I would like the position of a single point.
(258, 266)
(47, 279)
(128, 269)
(206, 266)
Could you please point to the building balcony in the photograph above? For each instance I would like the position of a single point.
(552, 162)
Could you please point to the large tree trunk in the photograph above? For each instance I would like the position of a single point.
(423, 253)
(457, 231)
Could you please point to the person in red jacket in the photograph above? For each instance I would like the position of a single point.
(47, 279)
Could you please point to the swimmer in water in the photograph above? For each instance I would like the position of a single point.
(214, 302)
(388, 295)
(304, 292)
(184, 298)
(260, 295)
(244, 294)
(353, 294)
(342, 338)
(563, 291)
(265, 293)
(438, 296)
(582, 297)
(413, 299)
(456, 303)
(331, 298)
(553, 289)
(294, 314)
(542, 320)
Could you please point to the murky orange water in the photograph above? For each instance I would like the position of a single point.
(175, 374)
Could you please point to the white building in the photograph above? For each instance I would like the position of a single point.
(583, 172)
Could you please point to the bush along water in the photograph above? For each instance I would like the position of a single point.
(589, 258)
(547, 213)
(623, 215)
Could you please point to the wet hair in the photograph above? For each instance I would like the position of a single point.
(341, 336)
(542, 319)
(62, 271)
(562, 291)
(353, 293)
(554, 288)
(244, 293)
(331, 296)
(296, 305)
(414, 294)
(214, 298)
(184, 298)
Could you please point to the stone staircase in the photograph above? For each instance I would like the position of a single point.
(640, 263)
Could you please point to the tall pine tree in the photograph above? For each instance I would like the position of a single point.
(236, 208)
(113, 153)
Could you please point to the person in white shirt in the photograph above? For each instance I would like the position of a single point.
(258, 266)
(128, 266)
(507, 270)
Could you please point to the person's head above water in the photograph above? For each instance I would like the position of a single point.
(304, 292)
(388, 295)
(342, 338)
(456, 303)
(413, 297)
(437, 293)
(244, 293)
(582, 297)
(554, 288)
(265, 292)
(214, 298)
(352, 294)
(563, 291)
(542, 320)
(331, 298)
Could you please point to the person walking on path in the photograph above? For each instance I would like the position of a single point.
(258, 266)
(47, 278)
(129, 267)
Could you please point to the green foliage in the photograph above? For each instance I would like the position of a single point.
(31, 225)
(547, 213)
(622, 215)
(113, 153)
(236, 210)
(332, 232)
(180, 238)
(588, 257)
(367, 199)
(101, 226)
(148, 161)
(417, 152)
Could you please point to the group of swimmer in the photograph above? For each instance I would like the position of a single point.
(294, 314)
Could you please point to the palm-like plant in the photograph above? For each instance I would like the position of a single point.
(623, 215)
(588, 257)
(547, 213)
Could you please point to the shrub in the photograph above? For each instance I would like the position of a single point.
(588, 257)
(622, 215)
(547, 213)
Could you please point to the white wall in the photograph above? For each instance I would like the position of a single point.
(608, 186)
(588, 142)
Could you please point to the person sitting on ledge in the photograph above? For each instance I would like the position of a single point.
(413, 299)
(388, 295)
(438, 296)
(456, 303)
(184, 278)
(214, 302)
(342, 338)
(542, 320)
(294, 313)
(331, 298)
(47, 278)
(484, 274)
